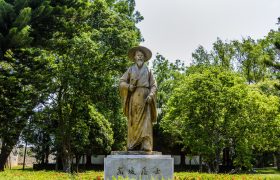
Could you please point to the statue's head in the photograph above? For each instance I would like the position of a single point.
(139, 58)
(139, 54)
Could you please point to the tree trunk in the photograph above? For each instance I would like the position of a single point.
(217, 161)
(47, 153)
(277, 156)
(5, 152)
(209, 167)
(226, 157)
(24, 155)
(88, 162)
(63, 134)
(58, 165)
(66, 161)
(46, 148)
(66, 153)
(200, 163)
(9, 142)
(78, 158)
(183, 159)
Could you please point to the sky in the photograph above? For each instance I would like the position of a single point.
(175, 28)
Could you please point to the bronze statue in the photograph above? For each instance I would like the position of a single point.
(138, 92)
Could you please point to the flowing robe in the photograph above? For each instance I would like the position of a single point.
(140, 114)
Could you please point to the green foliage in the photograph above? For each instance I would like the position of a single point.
(24, 80)
(90, 46)
(247, 57)
(252, 56)
(166, 75)
(25, 68)
(19, 22)
(65, 56)
(258, 62)
(214, 109)
(222, 54)
(274, 38)
(39, 132)
(90, 61)
(201, 57)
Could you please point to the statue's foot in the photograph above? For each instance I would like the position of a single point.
(146, 145)
(146, 149)
(130, 149)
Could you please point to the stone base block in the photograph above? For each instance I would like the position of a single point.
(139, 167)
(136, 153)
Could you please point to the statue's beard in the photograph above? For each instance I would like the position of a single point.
(139, 63)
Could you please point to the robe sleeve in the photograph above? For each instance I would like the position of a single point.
(152, 94)
(124, 93)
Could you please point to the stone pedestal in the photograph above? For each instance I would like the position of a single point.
(139, 166)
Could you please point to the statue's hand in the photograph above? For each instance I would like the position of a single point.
(131, 88)
(149, 99)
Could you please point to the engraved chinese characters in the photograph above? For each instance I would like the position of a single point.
(144, 171)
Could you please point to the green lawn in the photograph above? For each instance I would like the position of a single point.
(30, 174)
(268, 171)
(202, 176)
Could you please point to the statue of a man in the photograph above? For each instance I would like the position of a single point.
(138, 92)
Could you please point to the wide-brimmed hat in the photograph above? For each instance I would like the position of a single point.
(147, 52)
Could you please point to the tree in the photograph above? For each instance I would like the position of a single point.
(274, 37)
(269, 133)
(91, 133)
(215, 109)
(222, 54)
(201, 57)
(166, 75)
(25, 68)
(91, 52)
(39, 132)
(60, 51)
(250, 56)
(246, 57)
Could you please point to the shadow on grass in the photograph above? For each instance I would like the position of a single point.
(19, 168)
(268, 170)
(30, 169)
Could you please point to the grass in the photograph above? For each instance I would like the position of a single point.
(205, 176)
(30, 174)
(267, 171)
